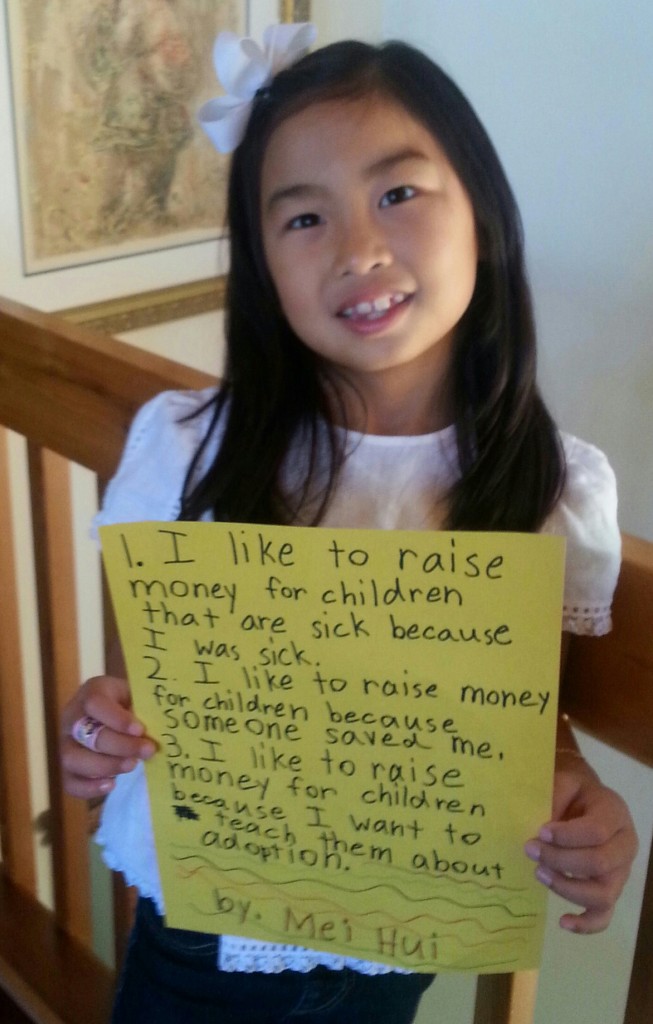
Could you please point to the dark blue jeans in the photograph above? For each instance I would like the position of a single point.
(171, 977)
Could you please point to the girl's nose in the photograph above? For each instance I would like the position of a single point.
(362, 248)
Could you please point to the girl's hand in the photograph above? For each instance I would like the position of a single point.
(120, 744)
(585, 852)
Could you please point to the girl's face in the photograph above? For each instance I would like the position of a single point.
(371, 243)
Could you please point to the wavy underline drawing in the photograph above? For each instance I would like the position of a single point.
(404, 922)
(261, 880)
(411, 874)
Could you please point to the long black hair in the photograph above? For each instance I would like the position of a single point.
(511, 460)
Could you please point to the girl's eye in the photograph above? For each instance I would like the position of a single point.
(304, 220)
(398, 195)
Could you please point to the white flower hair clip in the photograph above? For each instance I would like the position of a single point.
(243, 68)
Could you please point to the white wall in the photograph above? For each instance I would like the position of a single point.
(197, 341)
(362, 19)
(565, 89)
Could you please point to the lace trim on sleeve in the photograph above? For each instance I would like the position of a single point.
(595, 620)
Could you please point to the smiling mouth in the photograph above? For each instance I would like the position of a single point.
(370, 311)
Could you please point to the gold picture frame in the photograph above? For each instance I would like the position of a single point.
(295, 10)
(149, 308)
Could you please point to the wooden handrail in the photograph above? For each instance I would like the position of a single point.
(73, 391)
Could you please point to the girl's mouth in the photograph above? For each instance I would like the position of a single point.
(369, 311)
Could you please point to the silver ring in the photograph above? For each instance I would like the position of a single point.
(86, 731)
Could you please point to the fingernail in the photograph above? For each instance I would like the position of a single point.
(128, 764)
(546, 834)
(135, 729)
(544, 876)
(106, 786)
(533, 849)
(146, 751)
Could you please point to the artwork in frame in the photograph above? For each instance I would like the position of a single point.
(111, 161)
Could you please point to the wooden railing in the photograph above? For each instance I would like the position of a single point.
(71, 394)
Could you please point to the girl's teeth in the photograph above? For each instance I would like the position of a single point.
(376, 308)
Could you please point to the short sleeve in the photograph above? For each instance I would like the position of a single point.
(587, 516)
(163, 438)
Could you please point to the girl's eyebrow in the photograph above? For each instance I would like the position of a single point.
(386, 163)
(314, 191)
(298, 191)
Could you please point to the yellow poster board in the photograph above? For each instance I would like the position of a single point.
(356, 732)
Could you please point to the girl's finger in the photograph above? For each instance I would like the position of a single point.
(584, 862)
(580, 832)
(589, 923)
(107, 710)
(107, 741)
(602, 818)
(597, 895)
(87, 789)
(107, 699)
(80, 762)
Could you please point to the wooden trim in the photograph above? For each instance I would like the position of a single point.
(10, 1012)
(639, 1007)
(592, 695)
(146, 309)
(51, 977)
(15, 798)
(50, 384)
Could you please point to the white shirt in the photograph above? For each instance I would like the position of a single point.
(385, 483)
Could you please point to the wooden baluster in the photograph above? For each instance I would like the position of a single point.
(53, 548)
(15, 801)
(124, 897)
(506, 998)
(639, 1007)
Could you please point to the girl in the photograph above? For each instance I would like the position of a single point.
(380, 373)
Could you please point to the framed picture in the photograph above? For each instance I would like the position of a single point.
(111, 161)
